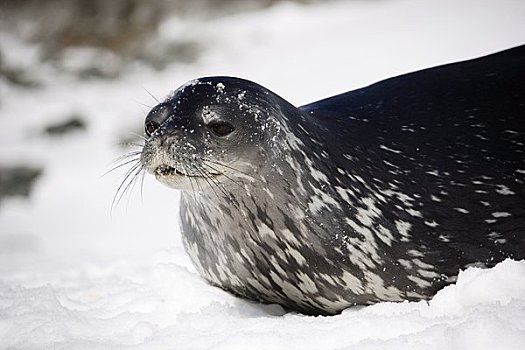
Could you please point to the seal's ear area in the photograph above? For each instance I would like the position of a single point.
(156, 117)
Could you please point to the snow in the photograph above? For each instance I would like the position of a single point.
(76, 275)
(167, 305)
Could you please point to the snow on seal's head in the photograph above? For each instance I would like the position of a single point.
(211, 131)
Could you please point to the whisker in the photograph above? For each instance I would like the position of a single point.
(223, 174)
(142, 184)
(127, 155)
(199, 185)
(124, 186)
(135, 179)
(143, 105)
(191, 183)
(118, 166)
(140, 136)
(132, 144)
(215, 182)
(205, 178)
(128, 174)
(149, 93)
(224, 165)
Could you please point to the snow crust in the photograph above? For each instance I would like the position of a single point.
(76, 275)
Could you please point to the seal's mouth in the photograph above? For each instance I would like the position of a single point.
(166, 171)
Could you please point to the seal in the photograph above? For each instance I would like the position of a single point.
(379, 194)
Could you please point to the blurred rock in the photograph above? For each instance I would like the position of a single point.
(97, 38)
(117, 25)
(72, 124)
(17, 181)
(15, 75)
(87, 62)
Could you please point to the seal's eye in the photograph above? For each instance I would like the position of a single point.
(221, 128)
(150, 127)
(156, 117)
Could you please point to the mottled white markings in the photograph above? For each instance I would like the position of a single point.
(220, 87)
(431, 223)
(306, 283)
(258, 286)
(247, 256)
(444, 238)
(433, 172)
(363, 251)
(403, 227)
(407, 264)
(390, 149)
(290, 238)
(385, 235)
(422, 264)
(363, 217)
(415, 253)
(481, 137)
(288, 289)
(390, 164)
(193, 252)
(322, 200)
(462, 210)
(296, 255)
(264, 231)
(501, 214)
(415, 213)
(266, 190)
(351, 282)
(344, 194)
(349, 157)
(405, 199)
(419, 281)
(504, 190)
(376, 285)
(496, 236)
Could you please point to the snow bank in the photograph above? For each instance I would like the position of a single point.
(169, 306)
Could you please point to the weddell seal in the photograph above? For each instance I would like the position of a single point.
(379, 194)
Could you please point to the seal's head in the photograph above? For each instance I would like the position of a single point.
(212, 130)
